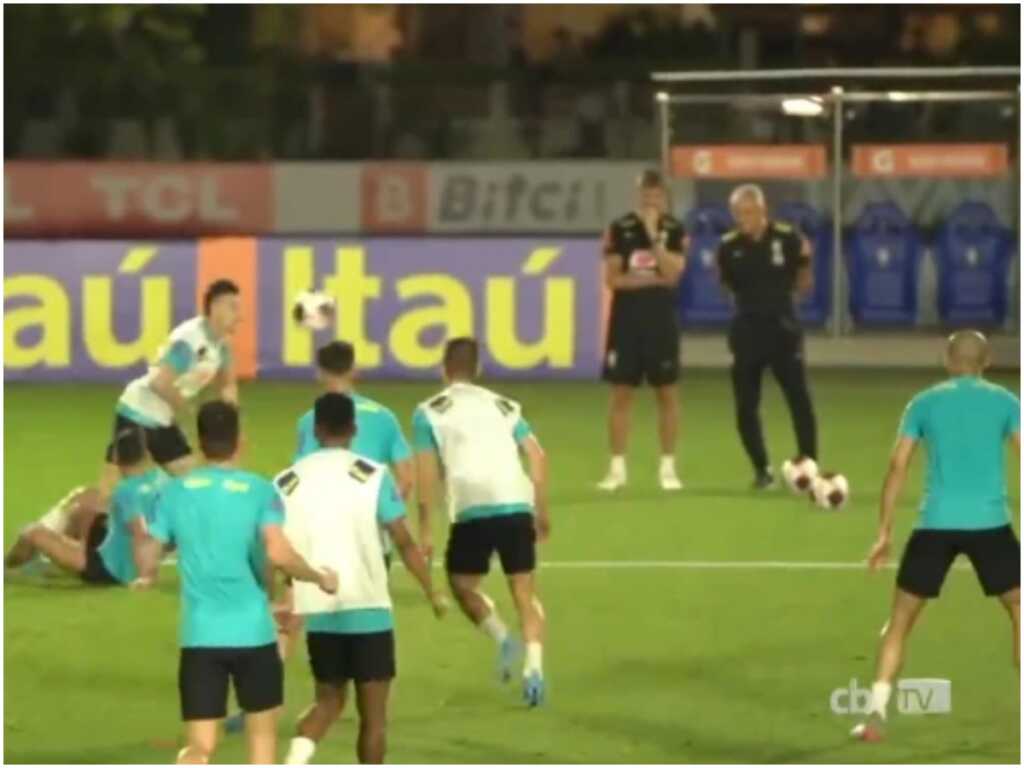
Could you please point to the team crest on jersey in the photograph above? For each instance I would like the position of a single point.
(361, 471)
(287, 482)
(777, 258)
(441, 404)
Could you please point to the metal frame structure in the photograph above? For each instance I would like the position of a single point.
(834, 99)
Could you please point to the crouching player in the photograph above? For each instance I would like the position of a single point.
(965, 422)
(494, 506)
(83, 537)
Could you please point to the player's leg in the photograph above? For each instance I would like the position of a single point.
(330, 661)
(203, 677)
(923, 567)
(467, 561)
(372, 704)
(661, 370)
(258, 675)
(790, 372)
(995, 556)
(170, 449)
(667, 398)
(62, 550)
(517, 550)
(746, 385)
(623, 370)
(71, 516)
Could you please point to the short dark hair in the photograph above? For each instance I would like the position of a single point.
(462, 356)
(128, 447)
(334, 415)
(216, 289)
(650, 179)
(217, 424)
(337, 357)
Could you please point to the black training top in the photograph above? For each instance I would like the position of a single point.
(627, 239)
(762, 273)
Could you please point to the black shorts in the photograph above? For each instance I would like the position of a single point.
(165, 444)
(471, 544)
(203, 675)
(994, 553)
(638, 352)
(363, 658)
(757, 340)
(95, 571)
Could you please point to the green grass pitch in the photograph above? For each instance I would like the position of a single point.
(645, 664)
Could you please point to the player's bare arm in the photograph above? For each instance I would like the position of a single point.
(416, 564)
(227, 383)
(805, 275)
(148, 552)
(163, 385)
(139, 538)
(405, 477)
(895, 478)
(537, 468)
(284, 557)
(426, 490)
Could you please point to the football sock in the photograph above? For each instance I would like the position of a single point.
(494, 627)
(618, 465)
(880, 693)
(668, 463)
(300, 751)
(534, 653)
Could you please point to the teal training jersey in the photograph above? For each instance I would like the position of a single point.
(378, 434)
(964, 424)
(216, 517)
(360, 621)
(133, 497)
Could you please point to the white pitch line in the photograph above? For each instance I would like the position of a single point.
(694, 565)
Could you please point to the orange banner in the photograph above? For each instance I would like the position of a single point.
(930, 160)
(755, 161)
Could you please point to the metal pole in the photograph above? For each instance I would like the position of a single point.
(838, 310)
(735, 76)
(662, 100)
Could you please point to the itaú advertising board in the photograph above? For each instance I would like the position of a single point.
(100, 310)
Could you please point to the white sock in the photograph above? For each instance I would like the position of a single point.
(300, 751)
(618, 465)
(668, 464)
(534, 654)
(56, 519)
(880, 693)
(494, 627)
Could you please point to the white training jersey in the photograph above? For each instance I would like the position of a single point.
(334, 503)
(194, 354)
(475, 433)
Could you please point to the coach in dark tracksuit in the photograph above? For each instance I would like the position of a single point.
(764, 264)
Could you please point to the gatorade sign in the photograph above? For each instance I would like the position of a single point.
(930, 160)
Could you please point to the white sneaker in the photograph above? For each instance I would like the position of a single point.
(669, 481)
(612, 482)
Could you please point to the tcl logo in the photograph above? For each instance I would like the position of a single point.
(168, 198)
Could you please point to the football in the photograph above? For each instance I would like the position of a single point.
(313, 310)
(830, 490)
(799, 473)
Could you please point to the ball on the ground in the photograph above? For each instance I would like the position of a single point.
(313, 310)
(830, 490)
(799, 473)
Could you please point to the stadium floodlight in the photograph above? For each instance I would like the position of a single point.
(661, 97)
(900, 96)
(804, 106)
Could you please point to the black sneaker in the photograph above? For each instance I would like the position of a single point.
(765, 479)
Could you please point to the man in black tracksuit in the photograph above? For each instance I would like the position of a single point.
(764, 264)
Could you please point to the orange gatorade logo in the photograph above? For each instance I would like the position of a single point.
(930, 160)
(732, 161)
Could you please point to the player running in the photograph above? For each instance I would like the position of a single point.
(477, 436)
(965, 423)
(226, 523)
(335, 504)
(196, 353)
(81, 536)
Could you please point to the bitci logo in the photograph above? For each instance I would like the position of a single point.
(913, 696)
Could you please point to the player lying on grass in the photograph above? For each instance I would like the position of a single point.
(965, 423)
(478, 439)
(226, 524)
(194, 355)
(81, 536)
(350, 637)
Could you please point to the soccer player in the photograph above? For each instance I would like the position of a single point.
(196, 354)
(81, 536)
(643, 261)
(479, 438)
(226, 524)
(764, 265)
(335, 504)
(964, 423)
